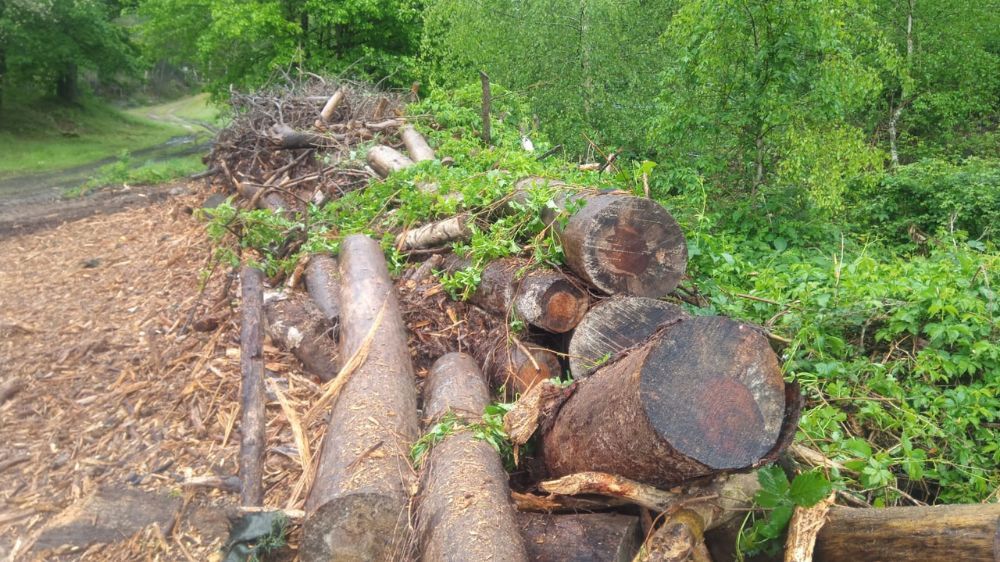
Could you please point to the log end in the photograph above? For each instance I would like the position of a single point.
(713, 389)
(565, 305)
(357, 527)
(524, 373)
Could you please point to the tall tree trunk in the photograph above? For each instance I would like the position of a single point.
(66, 84)
(898, 111)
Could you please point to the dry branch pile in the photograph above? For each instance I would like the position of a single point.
(661, 427)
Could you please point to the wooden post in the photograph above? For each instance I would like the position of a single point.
(614, 325)
(357, 507)
(465, 510)
(704, 395)
(253, 423)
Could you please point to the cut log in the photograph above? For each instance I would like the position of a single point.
(436, 234)
(702, 396)
(614, 325)
(298, 326)
(357, 507)
(263, 198)
(253, 422)
(940, 533)
(331, 105)
(465, 510)
(541, 296)
(619, 243)
(288, 138)
(416, 145)
(386, 160)
(518, 367)
(593, 537)
(323, 285)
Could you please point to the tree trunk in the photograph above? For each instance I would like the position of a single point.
(253, 423)
(67, 88)
(940, 533)
(518, 367)
(593, 537)
(435, 234)
(619, 243)
(357, 507)
(541, 296)
(386, 160)
(702, 396)
(614, 325)
(323, 285)
(487, 103)
(465, 510)
(416, 145)
(298, 326)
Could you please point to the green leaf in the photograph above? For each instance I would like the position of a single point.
(773, 487)
(809, 488)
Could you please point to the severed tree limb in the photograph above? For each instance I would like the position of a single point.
(416, 144)
(564, 504)
(253, 422)
(603, 484)
(803, 529)
(535, 409)
(386, 160)
(326, 114)
(435, 234)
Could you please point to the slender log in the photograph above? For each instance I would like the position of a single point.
(263, 199)
(593, 537)
(702, 396)
(386, 160)
(617, 242)
(326, 114)
(614, 325)
(253, 423)
(323, 285)
(298, 326)
(436, 234)
(357, 507)
(416, 145)
(289, 138)
(541, 296)
(465, 510)
(518, 367)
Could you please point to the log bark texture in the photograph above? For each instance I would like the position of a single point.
(614, 325)
(331, 105)
(519, 367)
(702, 396)
(593, 537)
(386, 160)
(357, 507)
(298, 326)
(323, 285)
(289, 138)
(436, 234)
(253, 422)
(941, 533)
(416, 145)
(263, 199)
(465, 510)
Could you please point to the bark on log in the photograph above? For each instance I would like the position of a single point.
(436, 234)
(702, 396)
(298, 326)
(386, 160)
(465, 510)
(518, 367)
(542, 297)
(326, 114)
(939, 533)
(614, 325)
(620, 243)
(593, 537)
(253, 423)
(416, 145)
(323, 285)
(268, 200)
(289, 138)
(357, 507)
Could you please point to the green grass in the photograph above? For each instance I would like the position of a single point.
(44, 135)
(122, 172)
(182, 111)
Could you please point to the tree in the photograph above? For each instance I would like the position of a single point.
(45, 44)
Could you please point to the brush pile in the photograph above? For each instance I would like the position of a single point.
(654, 435)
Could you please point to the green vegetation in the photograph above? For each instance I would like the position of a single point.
(490, 430)
(123, 171)
(780, 498)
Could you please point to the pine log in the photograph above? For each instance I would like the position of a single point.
(436, 234)
(465, 510)
(541, 296)
(518, 367)
(298, 326)
(592, 537)
(614, 325)
(253, 422)
(323, 285)
(619, 243)
(702, 396)
(357, 507)
(386, 160)
(940, 533)
(416, 145)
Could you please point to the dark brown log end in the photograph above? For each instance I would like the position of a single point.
(358, 527)
(614, 325)
(551, 301)
(523, 373)
(625, 244)
(713, 389)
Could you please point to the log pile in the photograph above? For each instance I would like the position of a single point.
(648, 443)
